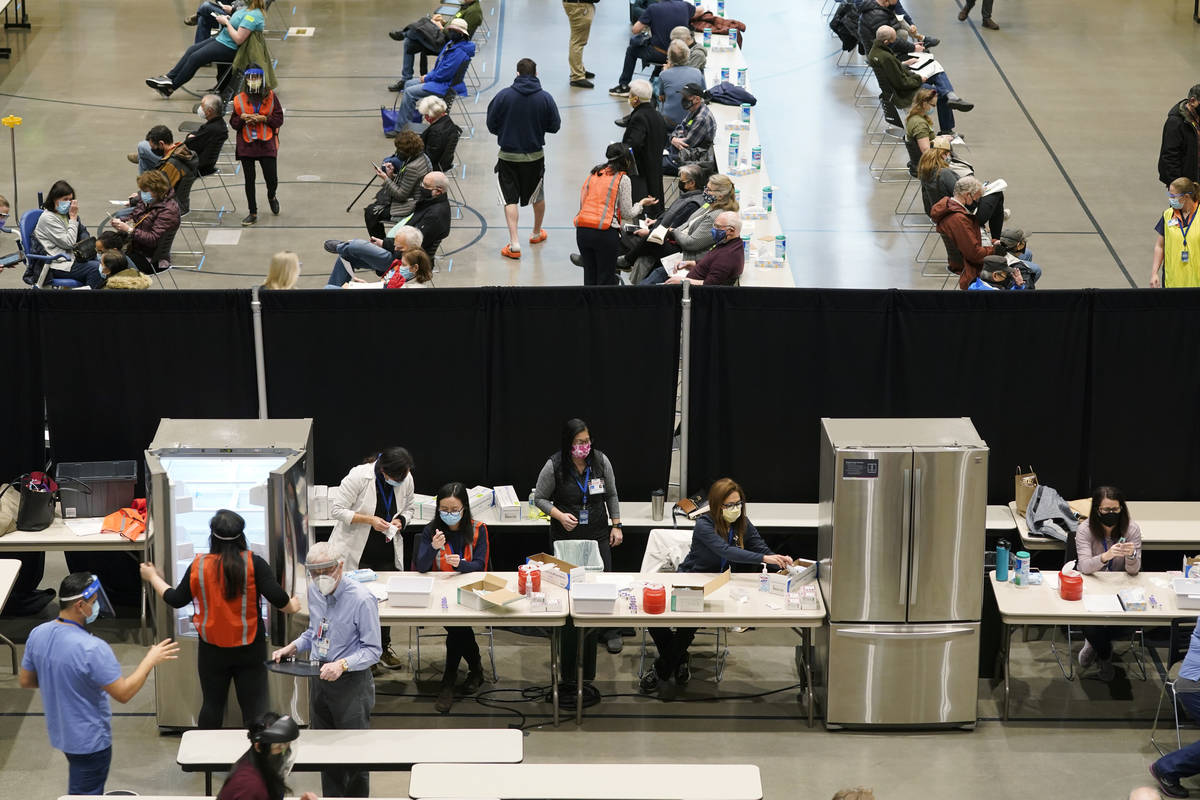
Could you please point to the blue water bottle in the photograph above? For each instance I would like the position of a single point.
(1002, 561)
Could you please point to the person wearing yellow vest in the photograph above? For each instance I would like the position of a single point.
(1177, 250)
(226, 585)
(453, 542)
(256, 118)
(604, 203)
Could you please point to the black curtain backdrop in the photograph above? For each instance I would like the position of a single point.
(375, 369)
(23, 445)
(766, 366)
(609, 356)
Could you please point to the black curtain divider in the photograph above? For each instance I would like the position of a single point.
(766, 366)
(609, 356)
(375, 369)
(1145, 378)
(24, 440)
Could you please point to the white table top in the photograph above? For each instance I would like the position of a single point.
(59, 537)
(445, 584)
(382, 748)
(1042, 605)
(588, 781)
(720, 608)
(9, 567)
(1165, 526)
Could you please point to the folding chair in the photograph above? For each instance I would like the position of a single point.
(1169, 684)
(278, 24)
(28, 222)
(202, 183)
(192, 240)
(1136, 640)
(879, 170)
(415, 666)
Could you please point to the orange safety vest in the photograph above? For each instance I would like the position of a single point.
(265, 131)
(219, 620)
(439, 559)
(597, 202)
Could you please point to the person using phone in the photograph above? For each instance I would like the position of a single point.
(1108, 540)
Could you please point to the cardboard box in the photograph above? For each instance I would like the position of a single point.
(508, 506)
(1187, 592)
(594, 598)
(409, 591)
(690, 598)
(1191, 566)
(482, 498)
(318, 502)
(558, 572)
(492, 591)
(424, 506)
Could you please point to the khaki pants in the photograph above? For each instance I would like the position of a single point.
(579, 16)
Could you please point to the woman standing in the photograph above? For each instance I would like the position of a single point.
(604, 203)
(722, 537)
(226, 585)
(257, 116)
(453, 542)
(155, 220)
(261, 772)
(370, 508)
(1174, 264)
(1107, 541)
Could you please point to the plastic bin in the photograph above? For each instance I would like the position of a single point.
(112, 484)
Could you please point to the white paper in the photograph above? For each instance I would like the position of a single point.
(1102, 603)
(926, 66)
(364, 285)
(657, 235)
(378, 590)
(87, 526)
(671, 262)
(991, 187)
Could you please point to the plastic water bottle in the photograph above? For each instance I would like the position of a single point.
(764, 580)
(532, 505)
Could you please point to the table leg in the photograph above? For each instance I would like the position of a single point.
(579, 676)
(806, 636)
(554, 672)
(208, 783)
(5, 640)
(1007, 649)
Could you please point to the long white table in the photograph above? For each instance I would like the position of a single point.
(59, 537)
(375, 749)
(587, 781)
(1042, 605)
(1165, 526)
(721, 610)
(9, 568)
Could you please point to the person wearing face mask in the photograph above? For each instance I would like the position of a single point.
(207, 140)
(376, 255)
(453, 542)
(722, 265)
(446, 75)
(371, 508)
(646, 137)
(257, 116)
(1107, 541)
(58, 230)
(427, 36)
(955, 218)
(1177, 250)
(343, 637)
(441, 134)
(604, 203)
(723, 538)
(413, 270)
(153, 222)
(693, 237)
(694, 134)
(1019, 258)
(235, 30)
(227, 585)
(641, 254)
(1179, 154)
(262, 771)
(77, 674)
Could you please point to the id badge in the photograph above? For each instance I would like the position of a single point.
(1183, 256)
(322, 649)
(583, 516)
(596, 486)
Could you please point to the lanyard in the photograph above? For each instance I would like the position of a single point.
(1184, 230)
(1107, 545)
(587, 482)
(72, 622)
(388, 501)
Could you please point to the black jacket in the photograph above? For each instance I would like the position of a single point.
(432, 218)
(441, 140)
(206, 142)
(681, 209)
(871, 17)
(646, 135)
(1179, 156)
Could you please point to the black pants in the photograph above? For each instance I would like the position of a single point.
(598, 252)
(672, 648)
(991, 213)
(570, 635)
(344, 704)
(1101, 637)
(269, 175)
(245, 666)
(374, 216)
(460, 644)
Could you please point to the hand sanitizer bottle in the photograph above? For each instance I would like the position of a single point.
(764, 580)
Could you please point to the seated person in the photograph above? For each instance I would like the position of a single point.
(695, 133)
(874, 13)
(453, 542)
(431, 214)
(397, 197)
(207, 140)
(155, 219)
(152, 150)
(1185, 762)
(660, 19)
(58, 230)
(635, 243)
(697, 55)
(902, 82)
(722, 537)
(427, 38)
(174, 159)
(440, 135)
(283, 271)
(721, 266)
(412, 270)
(996, 276)
(112, 240)
(692, 237)
(118, 273)
(204, 19)
(672, 80)
(960, 231)
(445, 76)
(917, 125)
(220, 48)
(1107, 541)
(372, 255)
(1019, 256)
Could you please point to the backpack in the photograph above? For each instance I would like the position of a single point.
(598, 200)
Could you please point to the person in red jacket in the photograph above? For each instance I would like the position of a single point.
(261, 773)
(152, 224)
(257, 116)
(961, 231)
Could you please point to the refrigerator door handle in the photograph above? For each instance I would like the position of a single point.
(872, 633)
(906, 525)
(914, 529)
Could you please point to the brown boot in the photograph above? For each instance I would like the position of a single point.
(991, 24)
(445, 699)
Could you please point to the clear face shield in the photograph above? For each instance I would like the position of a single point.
(254, 81)
(324, 574)
(94, 594)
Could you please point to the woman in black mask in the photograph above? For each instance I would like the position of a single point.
(261, 773)
(257, 116)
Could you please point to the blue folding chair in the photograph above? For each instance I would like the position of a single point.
(29, 221)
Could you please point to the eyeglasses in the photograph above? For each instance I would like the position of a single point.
(1174, 196)
(732, 506)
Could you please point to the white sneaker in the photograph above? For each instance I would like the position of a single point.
(1087, 656)
(1007, 213)
(1107, 671)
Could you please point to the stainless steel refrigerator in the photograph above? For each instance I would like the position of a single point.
(900, 539)
(262, 470)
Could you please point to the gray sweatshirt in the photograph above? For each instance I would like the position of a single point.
(56, 233)
(601, 468)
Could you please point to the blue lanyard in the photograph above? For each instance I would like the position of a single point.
(1184, 230)
(72, 622)
(1107, 546)
(388, 502)
(587, 482)
(723, 561)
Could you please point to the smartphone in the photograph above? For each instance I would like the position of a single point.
(376, 166)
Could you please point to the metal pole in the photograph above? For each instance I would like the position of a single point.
(11, 122)
(259, 361)
(684, 390)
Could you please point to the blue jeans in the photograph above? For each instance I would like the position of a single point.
(659, 275)
(1035, 272)
(633, 52)
(359, 254)
(414, 90)
(147, 158)
(945, 114)
(205, 24)
(1186, 761)
(88, 772)
(414, 44)
(199, 55)
(86, 272)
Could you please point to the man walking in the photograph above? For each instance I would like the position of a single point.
(580, 14)
(520, 117)
(988, 22)
(1179, 155)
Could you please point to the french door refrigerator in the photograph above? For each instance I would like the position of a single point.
(901, 521)
(260, 469)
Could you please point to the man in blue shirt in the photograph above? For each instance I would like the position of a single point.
(1186, 761)
(660, 18)
(77, 673)
(343, 635)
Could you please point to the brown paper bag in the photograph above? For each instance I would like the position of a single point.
(1025, 483)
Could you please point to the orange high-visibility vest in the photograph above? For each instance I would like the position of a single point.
(265, 131)
(598, 201)
(221, 621)
(439, 559)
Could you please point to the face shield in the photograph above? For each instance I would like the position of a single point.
(325, 574)
(254, 81)
(94, 594)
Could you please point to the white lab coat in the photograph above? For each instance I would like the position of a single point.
(356, 495)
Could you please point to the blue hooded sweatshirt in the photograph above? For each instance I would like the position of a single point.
(521, 116)
(453, 56)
